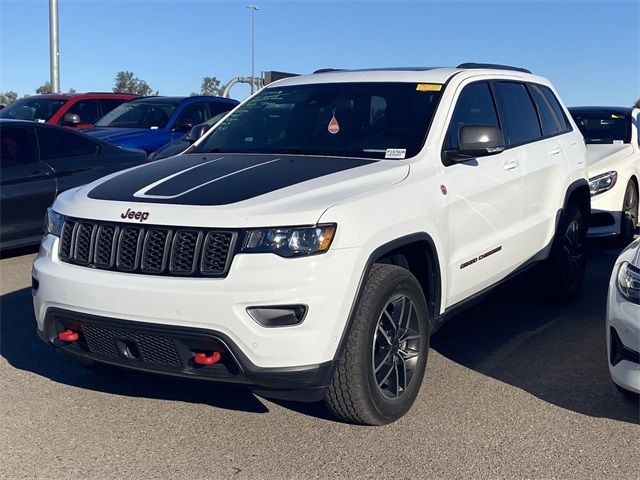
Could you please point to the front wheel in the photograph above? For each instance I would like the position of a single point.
(629, 219)
(380, 371)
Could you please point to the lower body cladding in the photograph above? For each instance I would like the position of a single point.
(623, 340)
(199, 327)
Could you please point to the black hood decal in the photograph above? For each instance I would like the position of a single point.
(217, 179)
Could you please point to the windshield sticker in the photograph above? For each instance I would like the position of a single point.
(616, 116)
(154, 128)
(428, 87)
(618, 142)
(333, 126)
(399, 153)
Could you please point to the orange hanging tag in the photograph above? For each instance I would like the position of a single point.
(333, 126)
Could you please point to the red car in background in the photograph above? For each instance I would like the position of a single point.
(75, 110)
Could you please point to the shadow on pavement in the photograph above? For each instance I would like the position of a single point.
(557, 353)
(17, 252)
(21, 347)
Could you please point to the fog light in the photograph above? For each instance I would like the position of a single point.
(278, 316)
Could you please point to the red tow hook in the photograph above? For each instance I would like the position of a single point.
(67, 335)
(204, 359)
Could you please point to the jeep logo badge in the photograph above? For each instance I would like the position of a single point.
(142, 216)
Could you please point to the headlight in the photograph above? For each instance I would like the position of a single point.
(629, 282)
(53, 222)
(602, 183)
(290, 241)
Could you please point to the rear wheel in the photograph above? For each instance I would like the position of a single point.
(629, 219)
(563, 272)
(380, 371)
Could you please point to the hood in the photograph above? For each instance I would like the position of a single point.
(231, 190)
(603, 158)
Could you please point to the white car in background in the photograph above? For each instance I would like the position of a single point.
(613, 162)
(623, 320)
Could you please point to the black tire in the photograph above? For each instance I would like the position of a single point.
(629, 219)
(563, 272)
(361, 394)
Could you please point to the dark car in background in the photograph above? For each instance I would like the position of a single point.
(75, 110)
(151, 122)
(38, 162)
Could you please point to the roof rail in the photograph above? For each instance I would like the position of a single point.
(327, 70)
(495, 66)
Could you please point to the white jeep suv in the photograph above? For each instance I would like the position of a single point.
(309, 245)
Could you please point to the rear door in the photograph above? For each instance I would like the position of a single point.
(77, 159)
(27, 186)
(484, 198)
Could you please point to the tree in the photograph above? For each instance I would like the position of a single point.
(8, 98)
(126, 82)
(637, 104)
(210, 86)
(44, 88)
(72, 90)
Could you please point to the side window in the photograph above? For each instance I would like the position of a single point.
(58, 144)
(219, 107)
(475, 106)
(109, 104)
(555, 104)
(87, 110)
(17, 146)
(550, 122)
(192, 115)
(520, 117)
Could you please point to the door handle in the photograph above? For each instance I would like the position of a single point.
(39, 175)
(555, 151)
(510, 166)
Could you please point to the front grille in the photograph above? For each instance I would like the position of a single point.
(145, 249)
(148, 348)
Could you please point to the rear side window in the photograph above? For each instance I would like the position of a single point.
(17, 146)
(555, 104)
(109, 104)
(55, 144)
(87, 110)
(219, 107)
(520, 116)
(548, 118)
(475, 106)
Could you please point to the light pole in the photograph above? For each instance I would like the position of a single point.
(253, 8)
(54, 52)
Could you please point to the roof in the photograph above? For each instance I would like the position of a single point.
(177, 100)
(403, 74)
(598, 109)
(55, 96)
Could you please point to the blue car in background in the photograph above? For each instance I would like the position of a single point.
(151, 122)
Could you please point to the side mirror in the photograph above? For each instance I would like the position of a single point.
(71, 120)
(196, 132)
(479, 140)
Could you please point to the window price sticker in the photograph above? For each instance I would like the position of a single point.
(398, 153)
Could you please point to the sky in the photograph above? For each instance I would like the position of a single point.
(589, 50)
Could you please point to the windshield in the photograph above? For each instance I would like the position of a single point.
(374, 120)
(603, 126)
(138, 115)
(38, 109)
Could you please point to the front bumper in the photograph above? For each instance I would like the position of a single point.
(169, 350)
(326, 284)
(623, 338)
(606, 211)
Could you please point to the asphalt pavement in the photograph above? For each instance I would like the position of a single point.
(515, 388)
